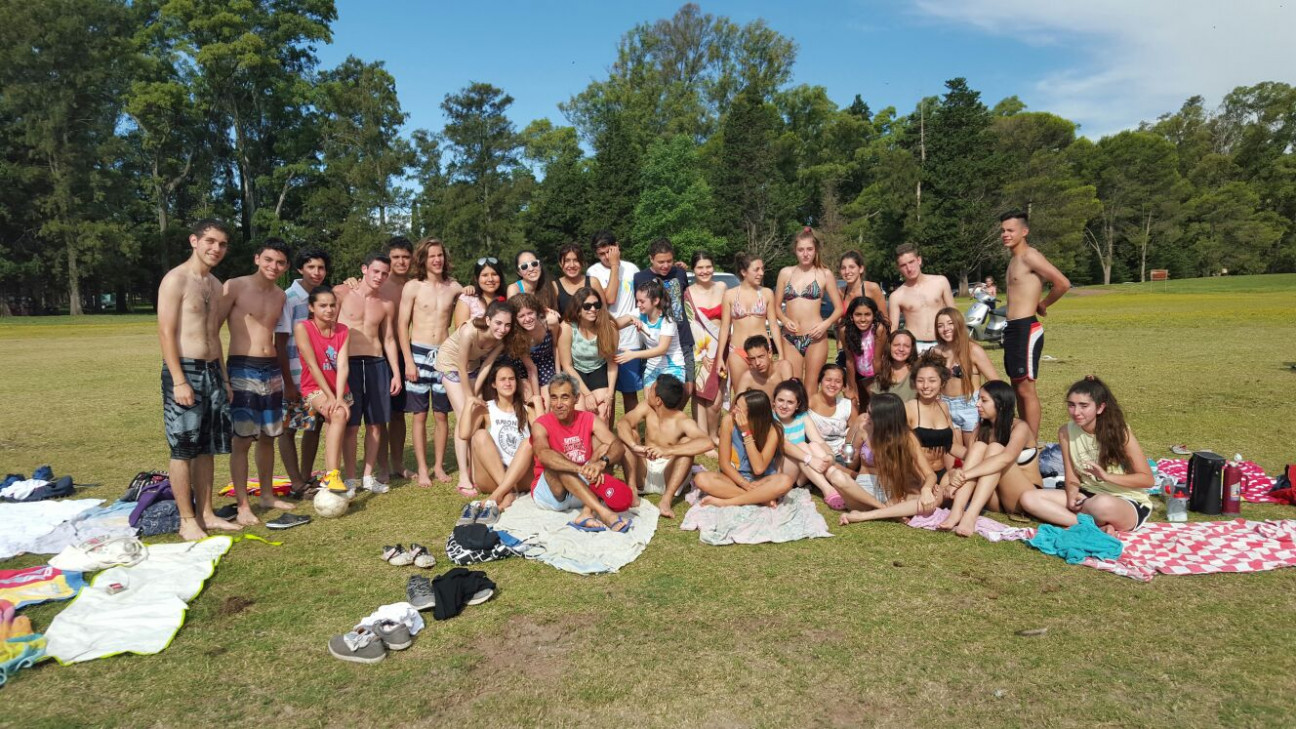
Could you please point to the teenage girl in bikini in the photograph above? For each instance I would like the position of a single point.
(929, 416)
(967, 362)
(749, 468)
(703, 307)
(905, 484)
(808, 458)
(802, 288)
(571, 259)
(747, 311)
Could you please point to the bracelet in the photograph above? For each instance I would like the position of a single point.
(746, 434)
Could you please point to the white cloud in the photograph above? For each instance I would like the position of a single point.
(1143, 58)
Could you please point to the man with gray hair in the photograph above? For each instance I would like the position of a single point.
(572, 450)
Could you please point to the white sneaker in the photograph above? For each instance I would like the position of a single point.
(373, 485)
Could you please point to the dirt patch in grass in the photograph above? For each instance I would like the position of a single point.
(233, 605)
(527, 649)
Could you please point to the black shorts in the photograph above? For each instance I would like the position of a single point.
(596, 380)
(1023, 344)
(204, 428)
(370, 381)
(1142, 511)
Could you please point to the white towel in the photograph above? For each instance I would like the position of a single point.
(397, 612)
(22, 525)
(546, 537)
(144, 617)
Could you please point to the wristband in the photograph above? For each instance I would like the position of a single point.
(746, 434)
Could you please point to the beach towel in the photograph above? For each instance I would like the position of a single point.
(706, 342)
(1256, 484)
(100, 522)
(1200, 548)
(544, 536)
(282, 486)
(794, 518)
(35, 585)
(19, 646)
(985, 526)
(21, 525)
(145, 616)
(1077, 542)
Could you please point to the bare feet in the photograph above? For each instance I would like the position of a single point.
(664, 508)
(965, 528)
(423, 480)
(440, 475)
(711, 501)
(276, 503)
(466, 489)
(406, 474)
(191, 530)
(950, 522)
(246, 517)
(211, 521)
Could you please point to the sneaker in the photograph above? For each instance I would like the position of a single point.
(420, 594)
(422, 557)
(373, 485)
(397, 556)
(489, 513)
(394, 635)
(471, 511)
(228, 511)
(361, 645)
(481, 596)
(333, 482)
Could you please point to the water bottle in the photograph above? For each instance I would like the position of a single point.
(848, 452)
(1232, 486)
(1177, 502)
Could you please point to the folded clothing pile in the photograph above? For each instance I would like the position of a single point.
(41, 486)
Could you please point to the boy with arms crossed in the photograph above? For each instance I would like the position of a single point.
(672, 439)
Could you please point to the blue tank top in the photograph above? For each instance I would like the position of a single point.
(794, 432)
(738, 458)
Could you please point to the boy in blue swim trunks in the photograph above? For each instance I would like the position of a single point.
(252, 306)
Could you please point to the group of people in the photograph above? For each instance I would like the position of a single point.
(910, 415)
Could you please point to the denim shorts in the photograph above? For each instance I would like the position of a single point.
(963, 411)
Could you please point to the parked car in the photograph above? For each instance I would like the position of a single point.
(728, 279)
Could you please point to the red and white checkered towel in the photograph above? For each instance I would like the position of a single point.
(1255, 483)
(1202, 548)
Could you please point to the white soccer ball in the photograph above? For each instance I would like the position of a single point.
(330, 505)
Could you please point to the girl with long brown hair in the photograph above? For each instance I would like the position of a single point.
(747, 311)
(990, 475)
(533, 279)
(969, 365)
(540, 332)
(864, 343)
(895, 457)
(587, 348)
(1107, 475)
(803, 288)
(749, 466)
(499, 432)
(571, 261)
(896, 365)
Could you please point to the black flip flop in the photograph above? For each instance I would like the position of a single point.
(288, 521)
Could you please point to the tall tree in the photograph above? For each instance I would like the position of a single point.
(675, 202)
(556, 213)
(747, 184)
(961, 178)
(487, 179)
(614, 177)
(62, 91)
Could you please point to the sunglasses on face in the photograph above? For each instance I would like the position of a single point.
(528, 265)
(592, 305)
(489, 259)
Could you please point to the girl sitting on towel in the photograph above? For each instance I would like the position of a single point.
(902, 484)
(990, 475)
(808, 457)
(322, 342)
(1107, 475)
(749, 468)
(499, 435)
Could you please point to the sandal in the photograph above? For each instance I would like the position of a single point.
(421, 556)
(624, 523)
(585, 526)
(1180, 449)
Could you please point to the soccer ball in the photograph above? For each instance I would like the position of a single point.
(330, 505)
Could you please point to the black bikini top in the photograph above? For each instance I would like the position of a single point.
(942, 438)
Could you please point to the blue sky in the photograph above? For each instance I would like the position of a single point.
(1107, 64)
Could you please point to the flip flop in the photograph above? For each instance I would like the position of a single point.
(1180, 449)
(625, 525)
(470, 492)
(584, 525)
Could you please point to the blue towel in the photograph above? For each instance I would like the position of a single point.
(1076, 543)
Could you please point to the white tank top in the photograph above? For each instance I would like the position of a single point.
(833, 427)
(504, 431)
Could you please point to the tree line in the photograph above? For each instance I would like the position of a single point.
(122, 121)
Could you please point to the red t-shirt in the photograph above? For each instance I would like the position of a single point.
(576, 441)
(326, 351)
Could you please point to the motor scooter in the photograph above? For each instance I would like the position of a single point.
(986, 319)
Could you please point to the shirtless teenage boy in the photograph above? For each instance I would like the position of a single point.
(762, 373)
(391, 461)
(672, 439)
(373, 377)
(426, 304)
(1023, 342)
(313, 265)
(918, 299)
(252, 306)
(195, 404)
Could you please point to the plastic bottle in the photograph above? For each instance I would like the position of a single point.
(1232, 486)
(1177, 502)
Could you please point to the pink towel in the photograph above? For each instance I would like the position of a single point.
(988, 528)
(1201, 548)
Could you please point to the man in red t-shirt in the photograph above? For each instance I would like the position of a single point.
(572, 449)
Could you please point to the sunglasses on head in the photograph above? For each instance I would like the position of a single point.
(592, 305)
(528, 264)
(488, 259)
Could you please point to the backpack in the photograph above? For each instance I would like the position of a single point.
(475, 543)
(142, 479)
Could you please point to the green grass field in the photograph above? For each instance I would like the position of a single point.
(880, 625)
